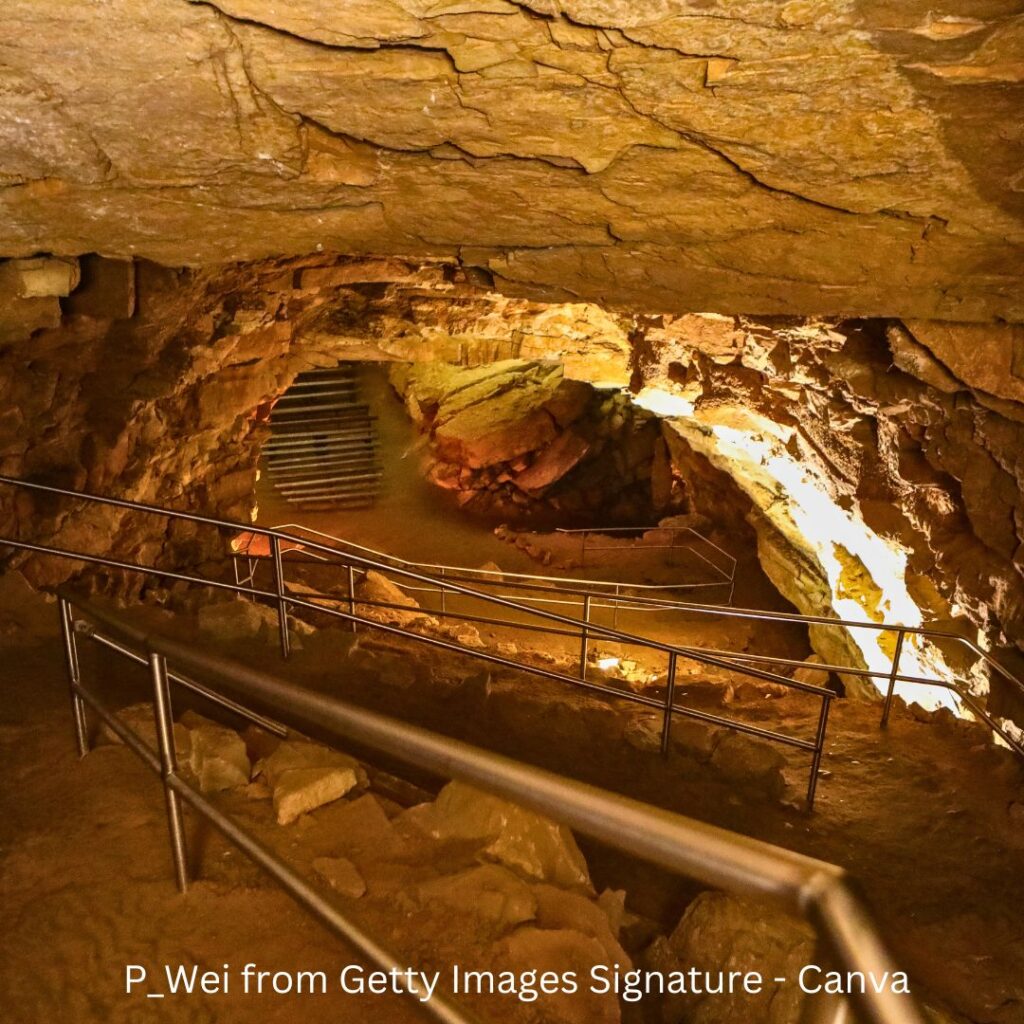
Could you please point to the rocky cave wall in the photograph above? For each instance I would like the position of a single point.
(127, 378)
(848, 157)
(519, 442)
(865, 457)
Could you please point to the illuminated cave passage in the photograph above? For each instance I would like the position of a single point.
(819, 454)
(537, 485)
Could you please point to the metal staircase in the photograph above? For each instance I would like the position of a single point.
(322, 450)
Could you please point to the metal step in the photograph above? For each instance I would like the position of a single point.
(292, 420)
(320, 425)
(332, 497)
(318, 466)
(352, 436)
(327, 371)
(316, 398)
(292, 410)
(305, 386)
(322, 448)
(340, 482)
(306, 476)
(322, 458)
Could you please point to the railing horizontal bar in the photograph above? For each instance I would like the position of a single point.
(702, 852)
(190, 684)
(696, 608)
(513, 579)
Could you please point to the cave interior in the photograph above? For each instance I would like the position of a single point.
(635, 392)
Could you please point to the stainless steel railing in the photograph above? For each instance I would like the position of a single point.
(815, 890)
(583, 630)
(533, 587)
(350, 609)
(724, 567)
(575, 592)
(570, 593)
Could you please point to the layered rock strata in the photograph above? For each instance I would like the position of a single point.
(519, 439)
(836, 156)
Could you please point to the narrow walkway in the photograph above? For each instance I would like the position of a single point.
(919, 815)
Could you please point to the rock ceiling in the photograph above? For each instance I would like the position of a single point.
(750, 156)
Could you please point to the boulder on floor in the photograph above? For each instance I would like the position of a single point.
(553, 462)
(530, 844)
(303, 776)
(140, 719)
(376, 589)
(721, 933)
(750, 761)
(341, 875)
(361, 828)
(238, 619)
(217, 755)
(809, 674)
(490, 891)
(558, 908)
(561, 951)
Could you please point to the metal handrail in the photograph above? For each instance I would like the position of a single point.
(738, 659)
(813, 889)
(569, 584)
(756, 614)
(585, 629)
(588, 531)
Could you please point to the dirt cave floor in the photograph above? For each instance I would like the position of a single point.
(925, 815)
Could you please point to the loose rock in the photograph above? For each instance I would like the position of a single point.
(528, 843)
(303, 776)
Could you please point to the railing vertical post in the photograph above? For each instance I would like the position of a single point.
(892, 678)
(822, 1007)
(352, 594)
(615, 608)
(670, 703)
(819, 747)
(444, 607)
(584, 636)
(67, 630)
(169, 766)
(282, 604)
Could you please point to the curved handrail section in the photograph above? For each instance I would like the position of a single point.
(815, 890)
(570, 591)
(611, 590)
(568, 586)
(583, 629)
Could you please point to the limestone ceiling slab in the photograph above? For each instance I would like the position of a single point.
(822, 157)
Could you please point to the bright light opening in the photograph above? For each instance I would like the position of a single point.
(753, 450)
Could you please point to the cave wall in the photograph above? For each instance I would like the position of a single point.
(132, 379)
(851, 157)
(891, 446)
(143, 382)
(519, 441)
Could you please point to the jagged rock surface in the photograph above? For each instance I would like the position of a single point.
(837, 156)
(518, 438)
